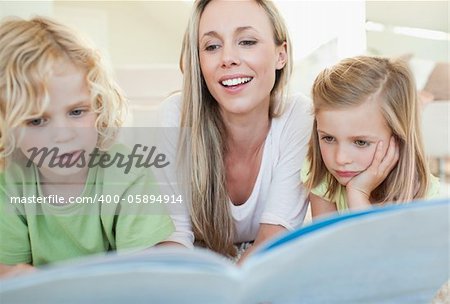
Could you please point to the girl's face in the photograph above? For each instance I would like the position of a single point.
(348, 138)
(68, 124)
(238, 55)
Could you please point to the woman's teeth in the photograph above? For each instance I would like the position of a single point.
(236, 81)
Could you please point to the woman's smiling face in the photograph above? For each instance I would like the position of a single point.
(238, 55)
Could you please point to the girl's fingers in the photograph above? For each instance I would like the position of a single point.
(378, 157)
(396, 156)
(390, 159)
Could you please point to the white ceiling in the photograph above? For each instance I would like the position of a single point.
(422, 14)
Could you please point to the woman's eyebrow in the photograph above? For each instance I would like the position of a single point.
(245, 28)
(237, 31)
(213, 34)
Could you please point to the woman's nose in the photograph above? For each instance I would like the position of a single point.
(230, 56)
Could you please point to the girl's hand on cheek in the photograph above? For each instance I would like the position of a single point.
(361, 186)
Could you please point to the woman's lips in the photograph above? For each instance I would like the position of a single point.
(234, 84)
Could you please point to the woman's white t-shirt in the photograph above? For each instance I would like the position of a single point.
(278, 196)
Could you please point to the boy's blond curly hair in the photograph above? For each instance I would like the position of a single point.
(30, 50)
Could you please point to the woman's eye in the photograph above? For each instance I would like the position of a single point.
(248, 42)
(361, 143)
(327, 139)
(211, 47)
(37, 122)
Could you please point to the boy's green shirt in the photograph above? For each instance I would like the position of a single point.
(41, 233)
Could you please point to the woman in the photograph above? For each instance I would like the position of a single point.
(243, 138)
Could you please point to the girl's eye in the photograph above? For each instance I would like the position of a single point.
(37, 122)
(211, 47)
(327, 139)
(361, 143)
(247, 42)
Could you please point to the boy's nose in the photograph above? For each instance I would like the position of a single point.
(63, 134)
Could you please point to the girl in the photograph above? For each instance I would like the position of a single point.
(244, 138)
(55, 94)
(366, 145)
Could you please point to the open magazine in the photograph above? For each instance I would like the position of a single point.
(393, 254)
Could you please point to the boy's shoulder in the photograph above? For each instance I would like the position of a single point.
(17, 170)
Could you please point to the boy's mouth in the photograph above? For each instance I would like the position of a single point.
(69, 158)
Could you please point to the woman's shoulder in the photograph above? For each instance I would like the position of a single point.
(169, 111)
(297, 106)
(297, 114)
(299, 102)
(172, 103)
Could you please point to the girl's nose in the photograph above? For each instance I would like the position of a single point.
(343, 156)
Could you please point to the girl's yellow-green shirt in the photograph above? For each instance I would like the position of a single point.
(340, 197)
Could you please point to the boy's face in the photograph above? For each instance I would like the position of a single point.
(68, 124)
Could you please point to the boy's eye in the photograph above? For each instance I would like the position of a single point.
(361, 143)
(37, 122)
(327, 139)
(77, 112)
(247, 42)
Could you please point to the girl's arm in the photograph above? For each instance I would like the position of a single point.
(320, 206)
(15, 270)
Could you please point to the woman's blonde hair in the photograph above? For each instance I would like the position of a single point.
(203, 134)
(29, 52)
(352, 82)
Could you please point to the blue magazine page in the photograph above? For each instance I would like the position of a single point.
(159, 275)
(393, 254)
(396, 254)
(338, 218)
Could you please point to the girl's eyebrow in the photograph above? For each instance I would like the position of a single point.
(320, 131)
(365, 137)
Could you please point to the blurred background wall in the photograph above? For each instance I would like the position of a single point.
(142, 42)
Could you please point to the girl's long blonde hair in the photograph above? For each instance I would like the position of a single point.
(352, 82)
(29, 52)
(203, 134)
